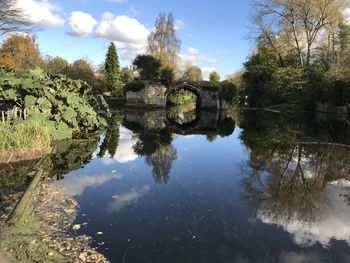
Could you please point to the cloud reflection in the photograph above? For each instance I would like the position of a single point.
(125, 152)
(332, 222)
(75, 185)
(132, 196)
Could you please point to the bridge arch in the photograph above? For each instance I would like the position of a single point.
(185, 86)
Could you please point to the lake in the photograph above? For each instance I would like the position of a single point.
(238, 186)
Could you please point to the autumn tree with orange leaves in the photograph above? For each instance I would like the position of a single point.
(20, 52)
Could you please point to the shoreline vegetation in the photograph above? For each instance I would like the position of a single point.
(44, 231)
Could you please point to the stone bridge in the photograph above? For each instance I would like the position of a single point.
(156, 96)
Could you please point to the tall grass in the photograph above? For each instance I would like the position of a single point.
(24, 135)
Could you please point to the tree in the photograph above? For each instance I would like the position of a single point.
(20, 52)
(193, 73)
(148, 67)
(167, 76)
(163, 43)
(127, 74)
(12, 18)
(56, 65)
(82, 70)
(112, 69)
(214, 77)
(101, 77)
(302, 20)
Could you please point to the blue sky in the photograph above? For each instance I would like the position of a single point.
(213, 33)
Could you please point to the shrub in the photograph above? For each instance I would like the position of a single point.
(167, 76)
(68, 107)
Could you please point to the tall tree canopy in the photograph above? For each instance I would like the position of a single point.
(148, 67)
(56, 65)
(163, 42)
(112, 71)
(296, 24)
(20, 52)
(193, 73)
(214, 76)
(83, 70)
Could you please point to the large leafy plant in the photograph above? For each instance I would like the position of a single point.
(69, 106)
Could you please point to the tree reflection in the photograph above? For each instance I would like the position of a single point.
(161, 161)
(288, 171)
(71, 155)
(111, 140)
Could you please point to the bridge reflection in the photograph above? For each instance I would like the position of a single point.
(188, 123)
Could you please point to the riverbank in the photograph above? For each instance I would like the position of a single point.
(44, 233)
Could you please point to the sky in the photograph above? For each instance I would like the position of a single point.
(214, 34)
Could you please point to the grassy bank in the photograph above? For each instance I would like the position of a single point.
(26, 139)
(24, 135)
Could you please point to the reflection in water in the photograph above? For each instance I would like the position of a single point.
(72, 155)
(272, 190)
(75, 185)
(291, 181)
(331, 220)
(112, 136)
(183, 115)
(124, 153)
(161, 161)
(123, 199)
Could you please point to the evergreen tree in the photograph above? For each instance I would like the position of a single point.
(112, 68)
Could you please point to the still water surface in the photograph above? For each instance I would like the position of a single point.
(221, 187)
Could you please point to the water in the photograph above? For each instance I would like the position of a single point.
(243, 186)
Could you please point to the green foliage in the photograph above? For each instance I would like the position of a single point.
(214, 77)
(56, 65)
(126, 74)
(257, 77)
(148, 67)
(112, 68)
(82, 70)
(167, 76)
(228, 91)
(68, 107)
(182, 97)
(288, 84)
(193, 73)
(135, 86)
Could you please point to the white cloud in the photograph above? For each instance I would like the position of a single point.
(193, 56)
(81, 24)
(127, 198)
(128, 33)
(41, 13)
(332, 222)
(179, 24)
(75, 185)
(206, 72)
(192, 51)
(125, 152)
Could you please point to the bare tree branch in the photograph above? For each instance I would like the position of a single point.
(12, 18)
